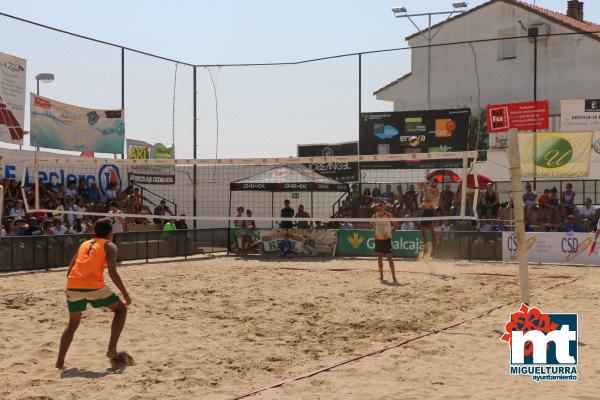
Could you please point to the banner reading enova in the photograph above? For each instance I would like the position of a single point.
(12, 98)
(56, 125)
(555, 155)
(552, 248)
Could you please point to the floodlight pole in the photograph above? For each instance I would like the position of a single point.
(429, 37)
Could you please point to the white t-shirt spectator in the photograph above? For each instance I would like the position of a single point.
(17, 212)
(70, 217)
(408, 226)
(71, 192)
(442, 228)
(117, 221)
(3, 233)
(59, 231)
(111, 194)
(587, 212)
(80, 209)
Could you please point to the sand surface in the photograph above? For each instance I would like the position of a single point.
(212, 328)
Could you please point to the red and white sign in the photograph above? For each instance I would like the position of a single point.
(528, 116)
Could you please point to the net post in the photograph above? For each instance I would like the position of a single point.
(517, 198)
(1, 204)
(37, 182)
(463, 192)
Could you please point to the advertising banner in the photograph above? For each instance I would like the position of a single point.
(415, 132)
(580, 115)
(555, 155)
(56, 125)
(552, 248)
(12, 98)
(526, 116)
(19, 165)
(362, 243)
(306, 242)
(339, 171)
(140, 150)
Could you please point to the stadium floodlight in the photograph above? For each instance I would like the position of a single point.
(45, 77)
(398, 10)
(460, 5)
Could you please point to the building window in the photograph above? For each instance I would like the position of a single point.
(507, 48)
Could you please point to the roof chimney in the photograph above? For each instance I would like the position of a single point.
(575, 9)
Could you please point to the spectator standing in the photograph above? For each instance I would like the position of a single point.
(240, 214)
(71, 190)
(399, 195)
(69, 218)
(111, 192)
(366, 198)
(83, 191)
(410, 198)
(355, 200)
(446, 200)
(287, 212)
(303, 214)
(118, 222)
(248, 226)
(567, 199)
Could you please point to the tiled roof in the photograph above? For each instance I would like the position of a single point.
(562, 19)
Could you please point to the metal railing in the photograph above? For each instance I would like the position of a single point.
(43, 252)
(144, 191)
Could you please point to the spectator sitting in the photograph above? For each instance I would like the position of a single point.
(302, 214)
(20, 227)
(285, 246)
(366, 198)
(9, 228)
(444, 226)
(71, 190)
(567, 199)
(111, 192)
(78, 227)
(489, 203)
(162, 207)
(375, 195)
(69, 218)
(180, 223)
(57, 227)
(47, 228)
(169, 226)
(529, 199)
(95, 194)
(118, 223)
(572, 225)
(388, 195)
(248, 227)
(408, 226)
(17, 211)
(5, 229)
(410, 198)
(399, 195)
(346, 225)
(286, 212)
(82, 190)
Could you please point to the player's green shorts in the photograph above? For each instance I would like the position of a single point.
(77, 299)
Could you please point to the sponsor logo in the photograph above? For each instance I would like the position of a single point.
(92, 117)
(327, 151)
(254, 186)
(592, 105)
(39, 102)
(444, 127)
(355, 240)
(512, 244)
(108, 174)
(414, 125)
(571, 247)
(552, 152)
(597, 146)
(499, 118)
(13, 67)
(543, 346)
(384, 131)
(139, 152)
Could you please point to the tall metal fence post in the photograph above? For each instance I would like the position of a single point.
(123, 90)
(195, 178)
(359, 112)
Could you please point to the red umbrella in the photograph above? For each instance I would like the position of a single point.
(482, 181)
(444, 175)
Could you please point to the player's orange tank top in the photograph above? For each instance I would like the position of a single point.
(88, 271)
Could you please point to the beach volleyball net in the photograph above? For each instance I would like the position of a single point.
(225, 192)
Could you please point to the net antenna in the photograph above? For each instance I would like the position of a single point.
(516, 195)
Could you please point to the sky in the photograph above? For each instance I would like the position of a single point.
(277, 100)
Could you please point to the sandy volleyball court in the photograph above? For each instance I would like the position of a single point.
(214, 328)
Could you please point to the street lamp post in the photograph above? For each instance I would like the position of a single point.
(44, 77)
(401, 12)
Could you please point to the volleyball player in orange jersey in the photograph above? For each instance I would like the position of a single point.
(85, 284)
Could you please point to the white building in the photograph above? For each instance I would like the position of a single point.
(488, 71)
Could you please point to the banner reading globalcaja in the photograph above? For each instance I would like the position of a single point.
(57, 125)
(580, 115)
(555, 155)
(362, 243)
(12, 98)
(552, 248)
